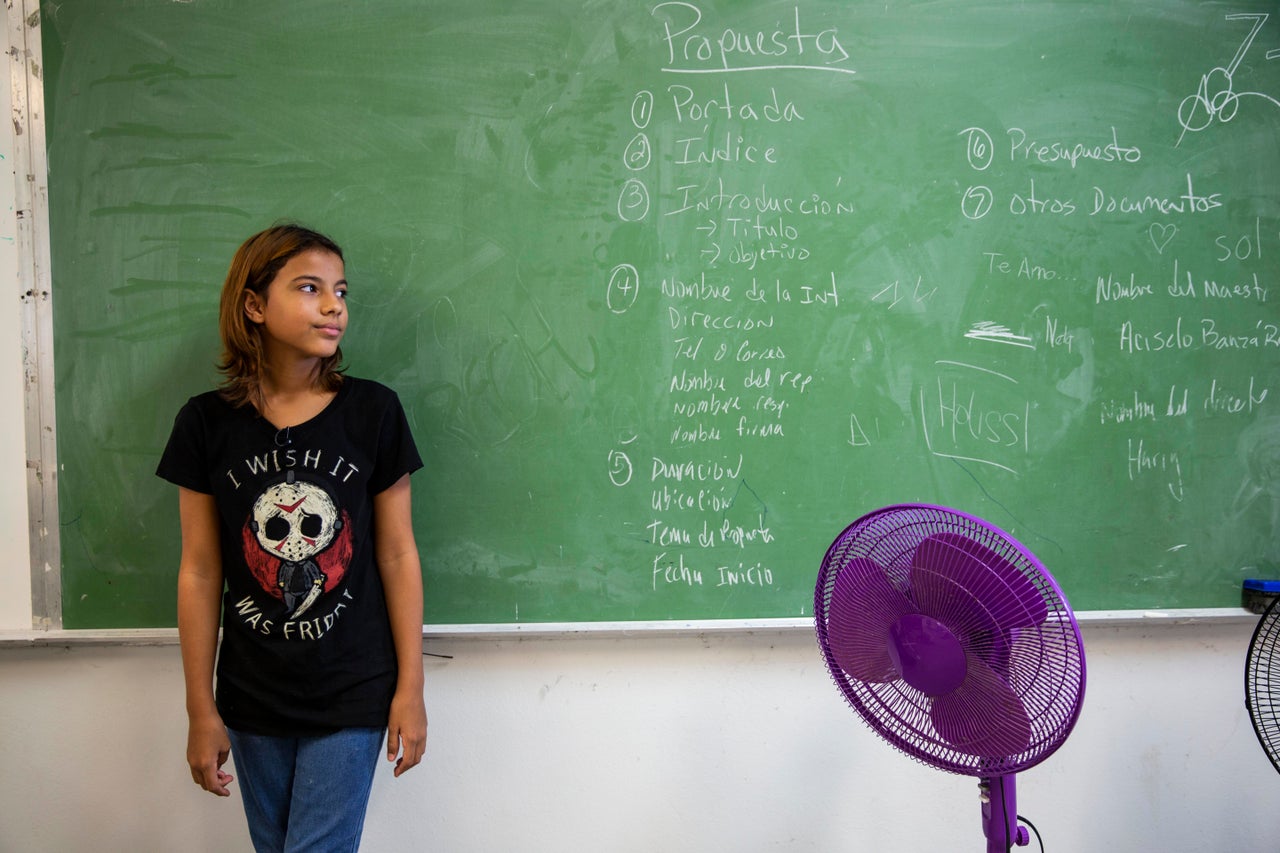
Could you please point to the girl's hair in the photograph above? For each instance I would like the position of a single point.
(254, 266)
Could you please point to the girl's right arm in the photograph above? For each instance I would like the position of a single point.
(199, 609)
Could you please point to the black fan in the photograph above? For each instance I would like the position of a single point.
(1262, 682)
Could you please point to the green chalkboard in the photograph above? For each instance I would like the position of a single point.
(675, 291)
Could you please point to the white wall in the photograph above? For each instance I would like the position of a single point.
(657, 743)
(653, 743)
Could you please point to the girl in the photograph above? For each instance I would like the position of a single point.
(294, 496)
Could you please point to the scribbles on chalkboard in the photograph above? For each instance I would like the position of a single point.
(669, 291)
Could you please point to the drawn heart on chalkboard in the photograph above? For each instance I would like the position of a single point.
(1161, 234)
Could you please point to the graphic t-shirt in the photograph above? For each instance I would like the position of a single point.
(306, 641)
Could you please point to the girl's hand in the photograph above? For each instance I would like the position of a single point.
(406, 730)
(207, 750)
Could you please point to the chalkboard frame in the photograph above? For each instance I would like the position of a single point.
(38, 327)
(31, 197)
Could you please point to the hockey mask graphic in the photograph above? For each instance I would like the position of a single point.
(295, 521)
(298, 524)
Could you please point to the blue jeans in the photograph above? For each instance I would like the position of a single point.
(306, 793)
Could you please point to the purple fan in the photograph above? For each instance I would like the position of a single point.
(954, 643)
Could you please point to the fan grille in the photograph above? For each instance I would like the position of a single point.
(1042, 660)
(1262, 682)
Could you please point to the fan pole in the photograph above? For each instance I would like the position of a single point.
(1000, 815)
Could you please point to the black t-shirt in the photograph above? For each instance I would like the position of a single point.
(306, 641)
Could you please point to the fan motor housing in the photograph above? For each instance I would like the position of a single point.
(927, 654)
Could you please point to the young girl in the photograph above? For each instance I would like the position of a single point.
(294, 497)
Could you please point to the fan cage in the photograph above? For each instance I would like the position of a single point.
(1043, 664)
(1262, 682)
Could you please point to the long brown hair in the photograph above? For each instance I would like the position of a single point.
(254, 266)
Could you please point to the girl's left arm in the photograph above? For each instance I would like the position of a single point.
(401, 571)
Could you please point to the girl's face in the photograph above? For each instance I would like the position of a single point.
(304, 313)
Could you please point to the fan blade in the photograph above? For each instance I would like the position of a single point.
(863, 607)
(983, 716)
(995, 595)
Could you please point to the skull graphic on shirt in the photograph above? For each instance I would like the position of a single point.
(295, 521)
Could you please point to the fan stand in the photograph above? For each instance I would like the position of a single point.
(932, 661)
(1000, 814)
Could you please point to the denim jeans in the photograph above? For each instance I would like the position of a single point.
(306, 793)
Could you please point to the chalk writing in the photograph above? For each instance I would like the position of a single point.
(758, 241)
(1023, 147)
(987, 330)
(1112, 289)
(1222, 400)
(620, 469)
(689, 106)
(1144, 461)
(1134, 339)
(719, 322)
(996, 263)
(633, 201)
(696, 471)
(1264, 334)
(978, 148)
(893, 293)
(623, 289)
(1215, 98)
(674, 571)
(1161, 233)
(1189, 201)
(958, 424)
(731, 148)
(693, 51)
(1242, 248)
(716, 196)
(638, 154)
(1055, 336)
(667, 499)
(1126, 411)
(751, 575)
